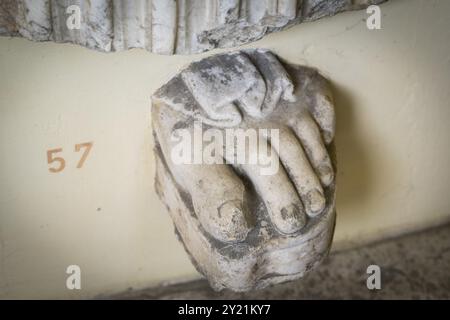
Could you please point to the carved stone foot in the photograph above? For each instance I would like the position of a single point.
(244, 166)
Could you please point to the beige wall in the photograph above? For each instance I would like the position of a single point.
(392, 93)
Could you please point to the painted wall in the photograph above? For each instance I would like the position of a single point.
(392, 95)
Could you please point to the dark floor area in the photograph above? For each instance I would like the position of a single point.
(415, 266)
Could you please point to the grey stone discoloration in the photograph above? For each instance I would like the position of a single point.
(243, 229)
(415, 266)
(161, 26)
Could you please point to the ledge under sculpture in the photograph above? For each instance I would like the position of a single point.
(162, 26)
(245, 228)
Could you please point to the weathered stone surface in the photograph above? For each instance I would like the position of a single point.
(242, 227)
(161, 26)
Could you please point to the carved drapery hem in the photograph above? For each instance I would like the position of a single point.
(161, 26)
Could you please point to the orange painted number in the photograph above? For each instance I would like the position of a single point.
(59, 163)
(87, 146)
(50, 159)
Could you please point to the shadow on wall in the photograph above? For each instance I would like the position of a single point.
(355, 174)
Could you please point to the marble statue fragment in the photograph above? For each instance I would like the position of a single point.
(161, 26)
(244, 224)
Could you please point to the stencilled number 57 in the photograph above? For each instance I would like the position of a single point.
(57, 163)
